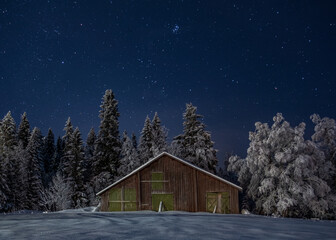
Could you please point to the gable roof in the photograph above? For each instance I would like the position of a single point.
(175, 158)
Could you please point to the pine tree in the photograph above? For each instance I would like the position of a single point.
(34, 172)
(134, 141)
(89, 154)
(3, 186)
(67, 139)
(47, 156)
(108, 145)
(129, 156)
(146, 142)
(56, 159)
(24, 130)
(195, 144)
(8, 145)
(159, 136)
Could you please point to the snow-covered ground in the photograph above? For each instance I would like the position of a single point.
(83, 224)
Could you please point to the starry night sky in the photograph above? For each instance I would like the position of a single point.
(238, 61)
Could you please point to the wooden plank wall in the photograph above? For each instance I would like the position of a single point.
(188, 185)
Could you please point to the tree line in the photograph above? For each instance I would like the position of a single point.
(38, 174)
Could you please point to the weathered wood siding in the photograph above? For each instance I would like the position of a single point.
(188, 185)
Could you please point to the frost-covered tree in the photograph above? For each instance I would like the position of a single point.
(47, 156)
(129, 156)
(108, 145)
(89, 155)
(58, 154)
(146, 142)
(195, 144)
(34, 170)
(325, 138)
(8, 145)
(134, 141)
(3, 187)
(159, 136)
(280, 172)
(65, 164)
(24, 130)
(58, 196)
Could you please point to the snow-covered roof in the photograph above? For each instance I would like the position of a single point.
(176, 158)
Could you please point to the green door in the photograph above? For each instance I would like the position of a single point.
(130, 199)
(167, 200)
(218, 200)
(115, 200)
(122, 199)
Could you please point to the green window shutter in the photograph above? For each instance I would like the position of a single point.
(156, 178)
(225, 202)
(115, 195)
(167, 200)
(130, 195)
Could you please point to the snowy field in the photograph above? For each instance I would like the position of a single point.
(151, 225)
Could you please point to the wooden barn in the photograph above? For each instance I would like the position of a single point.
(173, 182)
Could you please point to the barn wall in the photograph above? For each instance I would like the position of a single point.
(188, 185)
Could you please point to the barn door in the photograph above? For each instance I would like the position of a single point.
(218, 202)
(167, 200)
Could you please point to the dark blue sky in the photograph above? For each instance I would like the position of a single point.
(238, 61)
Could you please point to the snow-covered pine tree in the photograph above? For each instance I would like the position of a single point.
(129, 156)
(34, 172)
(24, 130)
(134, 141)
(146, 142)
(65, 164)
(89, 154)
(47, 156)
(108, 145)
(3, 186)
(56, 160)
(197, 146)
(159, 136)
(8, 145)
(75, 170)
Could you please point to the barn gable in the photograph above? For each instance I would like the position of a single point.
(175, 158)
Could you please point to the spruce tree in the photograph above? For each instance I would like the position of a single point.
(146, 142)
(8, 145)
(108, 145)
(197, 146)
(129, 156)
(47, 155)
(34, 172)
(67, 139)
(24, 130)
(134, 141)
(3, 186)
(89, 154)
(56, 159)
(159, 136)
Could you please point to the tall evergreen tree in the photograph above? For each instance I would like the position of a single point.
(108, 145)
(34, 172)
(67, 139)
(129, 156)
(74, 168)
(89, 154)
(47, 156)
(56, 160)
(196, 145)
(134, 141)
(24, 130)
(8, 145)
(146, 142)
(3, 186)
(159, 136)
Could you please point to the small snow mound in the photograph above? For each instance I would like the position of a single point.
(245, 211)
(79, 210)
